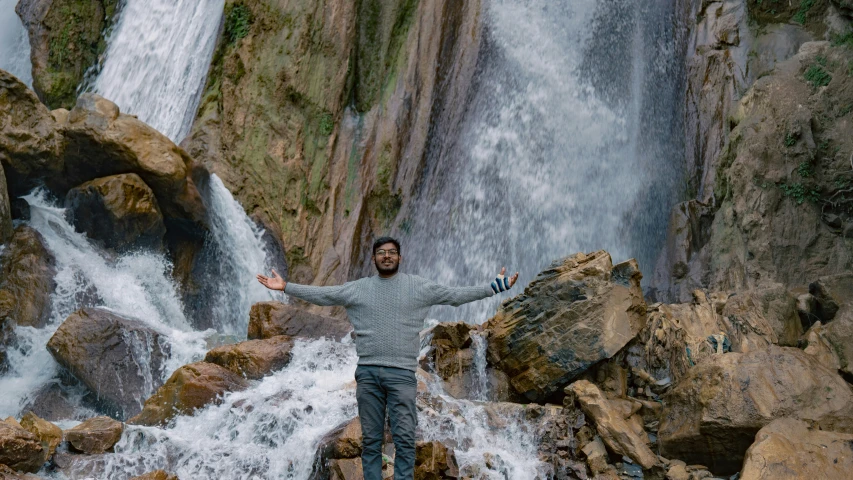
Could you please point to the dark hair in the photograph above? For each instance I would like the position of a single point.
(383, 240)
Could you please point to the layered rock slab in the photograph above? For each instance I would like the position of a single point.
(119, 359)
(119, 212)
(20, 449)
(579, 311)
(788, 449)
(191, 387)
(253, 359)
(95, 435)
(712, 415)
(269, 319)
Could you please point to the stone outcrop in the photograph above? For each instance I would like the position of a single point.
(5, 210)
(579, 311)
(834, 306)
(30, 143)
(253, 359)
(119, 212)
(47, 433)
(712, 415)
(788, 449)
(20, 449)
(95, 435)
(66, 38)
(434, 460)
(269, 319)
(191, 387)
(452, 355)
(119, 359)
(157, 475)
(317, 116)
(7, 473)
(611, 424)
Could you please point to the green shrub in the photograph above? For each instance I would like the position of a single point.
(817, 76)
(805, 6)
(238, 19)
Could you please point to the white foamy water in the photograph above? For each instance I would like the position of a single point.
(157, 60)
(14, 44)
(551, 159)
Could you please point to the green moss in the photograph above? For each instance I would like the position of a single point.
(802, 12)
(817, 76)
(326, 124)
(238, 20)
(384, 207)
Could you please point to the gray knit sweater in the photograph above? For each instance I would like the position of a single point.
(388, 314)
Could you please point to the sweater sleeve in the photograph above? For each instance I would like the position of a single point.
(437, 294)
(338, 295)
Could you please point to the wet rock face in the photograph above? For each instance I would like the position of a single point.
(253, 359)
(712, 415)
(47, 433)
(119, 212)
(20, 449)
(95, 435)
(190, 387)
(119, 359)
(5, 209)
(434, 460)
(156, 475)
(578, 312)
(789, 449)
(30, 143)
(27, 269)
(66, 37)
(268, 319)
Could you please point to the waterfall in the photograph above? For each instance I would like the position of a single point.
(479, 380)
(14, 44)
(570, 143)
(157, 59)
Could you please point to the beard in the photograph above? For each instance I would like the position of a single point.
(390, 270)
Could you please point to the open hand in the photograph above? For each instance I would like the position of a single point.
(512, 279)
(273, 283)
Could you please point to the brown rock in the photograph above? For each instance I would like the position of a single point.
(611, 425)
(819, 346)
(119, 212)
(435, 461)
(345, 469)
(102, 142)
(47, 433)
(156, 475)
(711, 416)
(117, 358)
(769, 315)
(52, 402)
(253, 358)
(190, 387)
(7, 473)
(26, 279)
(30, 145)
(788, 449)
(834, 298)
(20, 449)
(65, 40)
(596, 456)
(576, 313)
(95, 435)
(342, 442)
(268, 319)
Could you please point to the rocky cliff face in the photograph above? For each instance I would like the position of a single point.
(316, 116)
(771, 170)
(66, 38)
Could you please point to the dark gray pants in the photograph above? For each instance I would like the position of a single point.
(394, 388)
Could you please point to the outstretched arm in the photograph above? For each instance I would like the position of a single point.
(437, 294)
(324, 296)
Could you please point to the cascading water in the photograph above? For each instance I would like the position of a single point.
(14, 44)
(569, 145)
(157, 60)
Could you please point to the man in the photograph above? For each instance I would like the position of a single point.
(387, 313)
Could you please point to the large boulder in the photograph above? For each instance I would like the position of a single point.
(253, 359)
(834, 306)
(191, 387)
(47, 433)
(579, 311)
(711, 416)
(30, 144)
(156, 475)
(611, 424)
(20, 449)
(435, 461)
(788, 449)
(66, 38)
(95, 435)
(268, 319)
(119, 212)
(119, 359)
(101, 142)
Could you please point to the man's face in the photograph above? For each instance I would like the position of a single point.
(387, 259)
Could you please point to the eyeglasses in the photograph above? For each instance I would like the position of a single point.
(390, 253)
